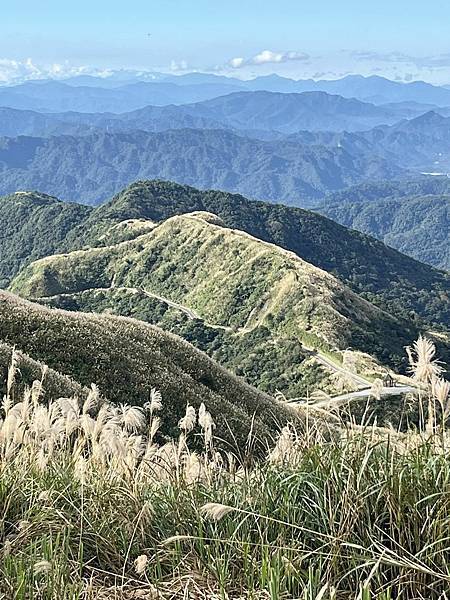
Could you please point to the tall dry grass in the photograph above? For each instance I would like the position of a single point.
(94, 503)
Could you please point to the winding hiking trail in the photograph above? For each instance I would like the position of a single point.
(364, 392)
(331, 402)
(337, 401)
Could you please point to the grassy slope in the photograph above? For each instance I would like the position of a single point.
(126, 358)
(230, 279)
(387, 278)
(287, 367)
(57, 385)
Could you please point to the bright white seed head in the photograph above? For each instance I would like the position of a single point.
(140, 564)
(43, 566)
(155, 400)
(187, 423)
(216, 511)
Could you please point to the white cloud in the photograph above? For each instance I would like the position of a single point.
(14, 71)
(237, 63)
(266, 57)
(179, 66)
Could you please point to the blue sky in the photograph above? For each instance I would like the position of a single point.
(318, 38)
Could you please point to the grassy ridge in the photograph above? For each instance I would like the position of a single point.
(393, 281)
(396, 283)
(230, 280)
(287, 366)
(126, 358)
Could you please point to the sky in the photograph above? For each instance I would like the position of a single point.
(245, 38)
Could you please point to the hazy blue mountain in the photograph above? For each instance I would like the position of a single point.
(199, 86)
(284, 113)
(204, 78)
(376, 89)
(371, 192)
(55, 96)
(245, 111)
(115, 79)
(380, 90)
(421, 144)
(92, 167)
(290, 112)
(15, 122)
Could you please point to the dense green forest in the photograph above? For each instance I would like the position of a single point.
(418, 226)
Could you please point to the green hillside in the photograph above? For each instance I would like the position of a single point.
(418, 226)
(392, 281)
(33, 225)
(126, 358)
(233, 283)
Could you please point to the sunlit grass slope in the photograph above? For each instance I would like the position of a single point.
(230, 280)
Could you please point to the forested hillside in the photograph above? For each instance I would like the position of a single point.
(418, 226)
(387, 278)
(91, 168)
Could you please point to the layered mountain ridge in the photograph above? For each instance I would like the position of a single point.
(255, 300)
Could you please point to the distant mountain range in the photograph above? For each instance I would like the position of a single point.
(92, 167)
(54, 96)
(126, 91)
(251, 112)
(244, 142)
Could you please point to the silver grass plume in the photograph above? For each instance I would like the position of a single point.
(423, 365)
(155, 404)
(207, 424)
(92, 401)
(216, 511)
(12, 371)
(441, 392)
(376, 389)
(187, 423)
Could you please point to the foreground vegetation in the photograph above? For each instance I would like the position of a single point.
(95, 505)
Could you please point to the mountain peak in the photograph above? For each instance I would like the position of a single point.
(430, 117)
